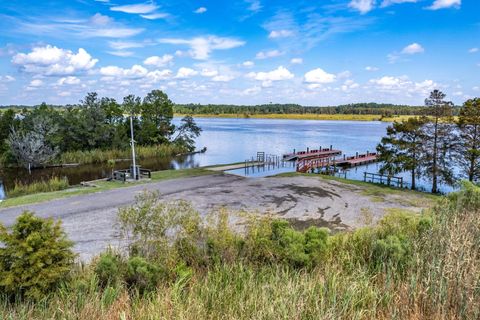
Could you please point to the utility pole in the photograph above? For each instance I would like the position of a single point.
(134, 168)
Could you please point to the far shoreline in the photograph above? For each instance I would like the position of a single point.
(294, 116)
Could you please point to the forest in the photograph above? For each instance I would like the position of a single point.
(35, 137)
(382, 109)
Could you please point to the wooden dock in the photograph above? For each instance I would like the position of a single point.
(357, 160)
(318, 153)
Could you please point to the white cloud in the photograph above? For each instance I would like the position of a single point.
(387, 3)
(50, 60)
(184, 72)
(135, 72)
(363, 6)
(201, 10)
(371, 68)
(121, 53)
(155, 16)
(201, 47)
(158, 75)
(100, 20)
(158, 61)
(279, 74)
(280, 34)
(413, 49)
(442, 4)
(121, 45)
(349, 85)
(209, 72)
(7, 78)
(402, 85)
(296, 61)
(68, 80)
(222, 78)
(36, 83)
(268, 54)
(248, 64)
(254, 6)
(251, 91)
(319, 76)
(97, 26)
(473, 50)
(140, 8)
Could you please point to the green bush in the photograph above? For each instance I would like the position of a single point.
(109, 269)
(35, 258)
(277, 241)
(142, 275)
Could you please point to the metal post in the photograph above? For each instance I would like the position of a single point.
(133, 149)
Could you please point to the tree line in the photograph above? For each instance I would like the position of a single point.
(34, 136)
(382, 109)
(434, 144)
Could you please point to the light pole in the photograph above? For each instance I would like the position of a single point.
(132, 142)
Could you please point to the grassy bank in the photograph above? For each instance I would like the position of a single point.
(102, 156)
(98, 186)
(352, 117)
(50, 185)
(406, 267)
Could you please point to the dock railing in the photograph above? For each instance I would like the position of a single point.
(383, 179)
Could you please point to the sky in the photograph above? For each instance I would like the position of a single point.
(308, 52)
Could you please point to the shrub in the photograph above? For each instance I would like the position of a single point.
(276, 241)
(35, 258)
(142, 275)
(109, 269)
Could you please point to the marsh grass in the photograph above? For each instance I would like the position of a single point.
(103, 156)
(50, 185)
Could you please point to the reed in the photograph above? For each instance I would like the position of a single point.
(102, 156)
(52, 184)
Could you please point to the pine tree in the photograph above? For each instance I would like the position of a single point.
(401, 149)
(468, 147)
(34, 257)
(438, 139)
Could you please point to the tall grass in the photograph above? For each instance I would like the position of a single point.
(102, 156)
(52, 184)
(406, 267)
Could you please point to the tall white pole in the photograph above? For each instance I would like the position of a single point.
(134, 173)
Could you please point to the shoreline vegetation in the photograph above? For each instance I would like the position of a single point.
(103, 156)
(406, 266)
(308, 116)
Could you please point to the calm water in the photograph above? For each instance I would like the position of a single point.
(234, 140)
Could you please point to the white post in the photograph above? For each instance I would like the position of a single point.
(134, 173)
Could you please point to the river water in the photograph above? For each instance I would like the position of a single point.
(235, 140)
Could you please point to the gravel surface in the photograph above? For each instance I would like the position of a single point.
(89, 220)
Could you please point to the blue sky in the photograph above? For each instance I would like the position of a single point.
(241, 51)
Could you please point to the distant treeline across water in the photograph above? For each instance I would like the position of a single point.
(356, 108)
(383, 109)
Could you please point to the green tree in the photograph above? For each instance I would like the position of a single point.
(468, 147)
(34, 257)
(438, 139)
(157, 115)
(186, 133)
(401, 149)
